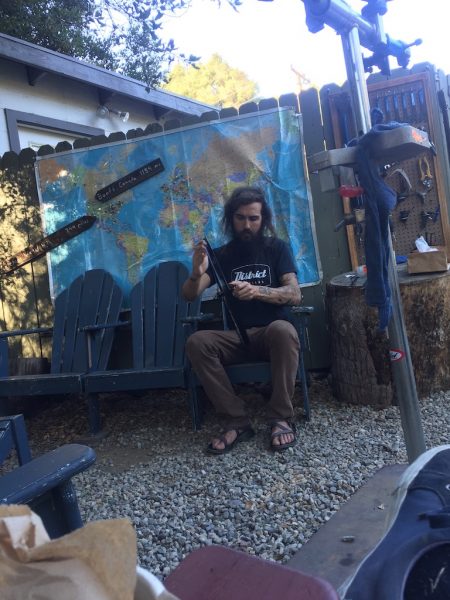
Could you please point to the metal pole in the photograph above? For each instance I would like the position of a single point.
(402, 369)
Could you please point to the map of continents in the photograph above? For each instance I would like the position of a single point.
(159, 218)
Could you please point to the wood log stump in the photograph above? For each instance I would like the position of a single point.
(361, 369)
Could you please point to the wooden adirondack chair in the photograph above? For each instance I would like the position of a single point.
(44, 483)
(159, 318)
(86, 314)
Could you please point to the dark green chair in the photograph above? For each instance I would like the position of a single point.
(44, 483)
(160, 321)
(85, 317)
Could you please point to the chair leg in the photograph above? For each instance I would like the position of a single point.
(94, 413)
(194, 403)
(304, 383)
(66, 503)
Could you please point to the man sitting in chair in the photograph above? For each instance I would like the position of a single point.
(261, 273)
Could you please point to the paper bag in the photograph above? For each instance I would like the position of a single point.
(96, 562)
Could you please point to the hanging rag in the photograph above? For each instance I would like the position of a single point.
(379, 200)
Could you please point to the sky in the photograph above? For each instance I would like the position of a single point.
(266, 39)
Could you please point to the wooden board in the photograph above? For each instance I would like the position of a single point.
(335, 551)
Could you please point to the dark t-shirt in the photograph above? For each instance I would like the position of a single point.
(261, 264)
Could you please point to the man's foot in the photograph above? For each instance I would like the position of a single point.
(228, 439)
(282, 436)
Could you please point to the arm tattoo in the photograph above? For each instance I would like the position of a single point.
(288, 293)
(265, 291)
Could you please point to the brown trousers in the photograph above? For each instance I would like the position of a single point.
(278, 343)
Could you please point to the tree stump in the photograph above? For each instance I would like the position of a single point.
(361, 368)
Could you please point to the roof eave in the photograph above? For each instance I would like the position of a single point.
(49, 61)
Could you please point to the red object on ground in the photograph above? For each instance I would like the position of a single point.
(219, 573)
(350, 191)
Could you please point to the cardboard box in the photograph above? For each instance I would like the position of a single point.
(428, 262)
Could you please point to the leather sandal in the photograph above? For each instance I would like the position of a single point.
(242, 436)
(283, 430)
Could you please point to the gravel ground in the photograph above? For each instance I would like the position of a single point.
(152, 469)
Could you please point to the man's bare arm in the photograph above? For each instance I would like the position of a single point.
(288, 293)
(194, 286)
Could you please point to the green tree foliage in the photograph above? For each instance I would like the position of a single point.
(120, 35)
(213, 82)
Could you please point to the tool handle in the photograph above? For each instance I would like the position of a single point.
(225, 291)
(424, 168)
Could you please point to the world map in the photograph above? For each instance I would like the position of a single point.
(161, 217)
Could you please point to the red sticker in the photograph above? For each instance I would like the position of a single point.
(396, 355)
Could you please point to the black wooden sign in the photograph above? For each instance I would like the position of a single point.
(128, 181)
(58, 237)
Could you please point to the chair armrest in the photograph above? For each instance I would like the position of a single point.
(199, 318)
(190, 324)
(33, 479)
(17, 332)
(302, 310)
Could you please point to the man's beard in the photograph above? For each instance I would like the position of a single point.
(248, 244)
(247, 236)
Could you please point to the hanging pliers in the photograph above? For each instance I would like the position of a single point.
(425, 173)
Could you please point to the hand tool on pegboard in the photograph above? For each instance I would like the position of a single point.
(387, 109)
(356, 217)
(412, 98)
(404, 99)
(437, 212)
(425, 217)
(425, 176)
(396, 107)
(422, 107)
(430, 238)
(405, 187)
(403, 216)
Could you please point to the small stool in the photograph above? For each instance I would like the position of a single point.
(219, 573)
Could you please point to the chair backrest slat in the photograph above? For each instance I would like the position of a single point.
(157, 312)
(91, 299)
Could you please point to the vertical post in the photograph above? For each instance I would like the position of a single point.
(402, 369)
(359, 97)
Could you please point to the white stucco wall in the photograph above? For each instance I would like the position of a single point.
(63, 99)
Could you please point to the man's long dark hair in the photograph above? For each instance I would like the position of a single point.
(242, 196)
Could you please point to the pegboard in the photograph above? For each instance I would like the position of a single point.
(421, 203)
(416, 181)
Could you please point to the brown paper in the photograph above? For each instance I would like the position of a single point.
(96, 562)
(427, 262)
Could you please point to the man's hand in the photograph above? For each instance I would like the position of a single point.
(243, 290)
(288, 293)
(198, 280)
(199, 260)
